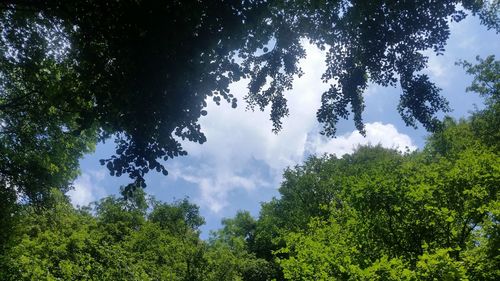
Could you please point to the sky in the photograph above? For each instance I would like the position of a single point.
(242, 162)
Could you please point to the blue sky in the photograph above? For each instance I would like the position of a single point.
(242, 162)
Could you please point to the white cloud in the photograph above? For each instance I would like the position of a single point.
(440, 69)
(215, 188)
(238, 139)
(87, 188)
(376, 133)
(233, 133)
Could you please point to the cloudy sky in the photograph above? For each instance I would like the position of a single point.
(242, 162)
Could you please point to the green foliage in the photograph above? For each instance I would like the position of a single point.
(234, 262)
(179, 217)
(414, 217)
(230, 253)
(422, 216)
(487, 83)
(486, 78)
(381, 215)
(8, 215)
(119, 242)
(440, 266)
(40, 139)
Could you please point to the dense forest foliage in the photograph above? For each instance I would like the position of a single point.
(376, 214)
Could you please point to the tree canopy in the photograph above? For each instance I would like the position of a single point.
(74, 72)
(121, 241)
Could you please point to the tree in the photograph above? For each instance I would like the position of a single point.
(487, 84)
(181, 216)
(429, 215)
(425, 217)
(231, 253)
(115, 240)
(39, 147)
(142, 71)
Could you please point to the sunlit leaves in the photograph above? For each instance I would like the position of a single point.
(119, 242)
